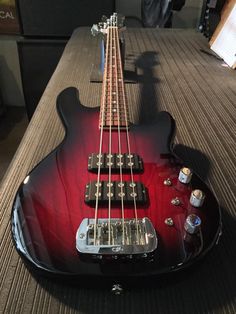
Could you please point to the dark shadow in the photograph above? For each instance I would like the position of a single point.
(10, 114)
(133, 21)
(8, 84)
(13, 124)
(9, 119)
(36, 75)
(145, 63)
(194, 159)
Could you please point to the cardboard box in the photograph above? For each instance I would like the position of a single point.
(223, 41)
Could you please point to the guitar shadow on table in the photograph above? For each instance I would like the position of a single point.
(194, 159)
(207, 286)
(147, 109)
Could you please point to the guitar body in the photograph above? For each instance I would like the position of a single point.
(51, 202)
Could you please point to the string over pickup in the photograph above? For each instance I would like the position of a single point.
(115, 191)
(116, 162)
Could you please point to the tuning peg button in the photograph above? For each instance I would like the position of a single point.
(192, 224)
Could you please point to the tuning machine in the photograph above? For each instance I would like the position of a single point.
(115, 19)
(117, 289)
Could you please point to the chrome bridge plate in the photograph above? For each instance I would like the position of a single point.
(127, 238)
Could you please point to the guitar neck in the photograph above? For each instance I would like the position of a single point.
(113, 112)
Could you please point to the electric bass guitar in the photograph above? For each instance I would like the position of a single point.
(112, 202)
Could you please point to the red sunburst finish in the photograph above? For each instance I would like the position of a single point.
(50, 206)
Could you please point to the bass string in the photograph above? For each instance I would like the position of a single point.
(102, 119)
(109, 58)
(114, 81)
(110, 46)
(119, 135)
(127, 137)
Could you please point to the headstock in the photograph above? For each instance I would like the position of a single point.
(115, 20)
